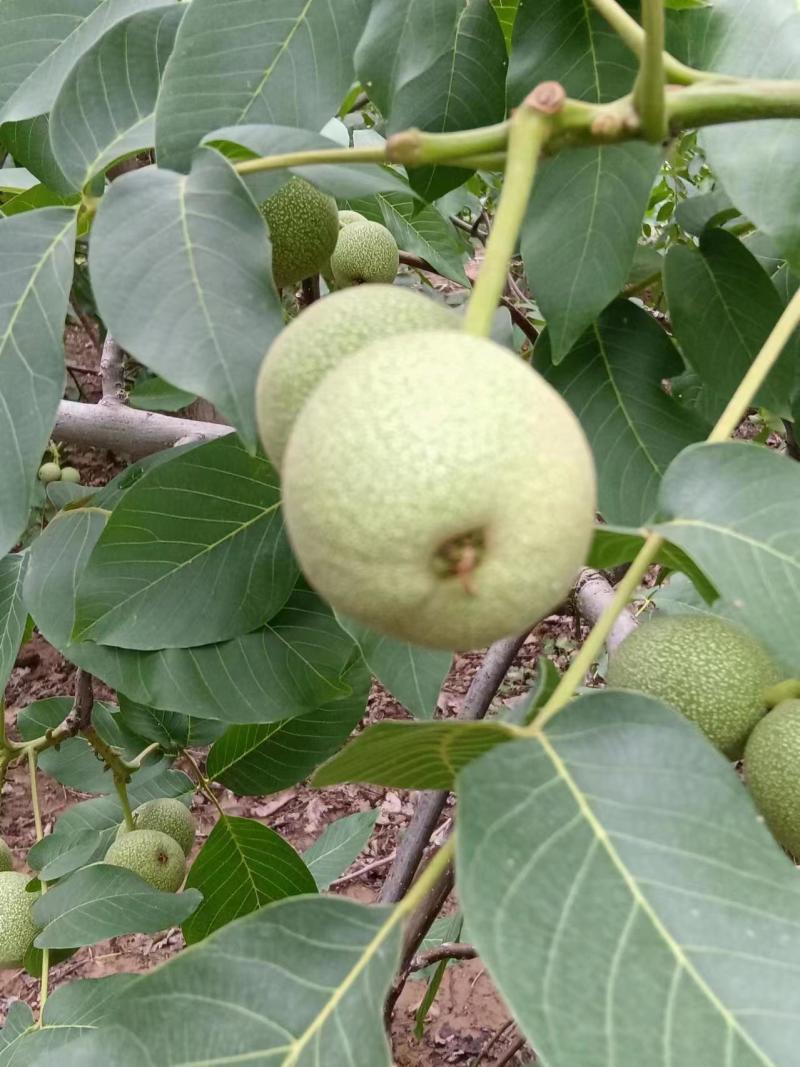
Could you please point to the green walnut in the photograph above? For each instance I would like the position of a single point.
(49, 472)
(154, 856)
(712, 672)
(365, 253)
(17, 928)
(324, 334)
(771, 766)
(70, 474)
(438, 490)
(347, 218)
(303, 226)
(167, 815)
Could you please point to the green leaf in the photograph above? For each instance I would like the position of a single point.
(612, 381)
(85, 1002)
(167, 253)
(301, 982)
(412, 755)
(571, 43)
(506, 11)
(338, 845)
(16, 180)
(104, 813)
(413, 675)
(170, 729)
(290, 667)
(29, 144)
(154, 394)
(40, 40)
(439, 68)
(194, 553)
(735, 509)
(36, 250)
(625, 897)
(615, 545)
(104, 901)
(723, 306)
(58, 855)
(18, 1018)
(757, 165)
(12, 612)
(240, 63)
(580, 232)
(242, 867)
(707, 209)
(105, 108)
(257, 760)
(340, 180)
(425, 233)
(32, 199)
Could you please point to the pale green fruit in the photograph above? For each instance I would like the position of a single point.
(347, 218)
(365, 252)
(153, 855)
(772, 770)
(17, 928)
(438, 490)
(167, 815)
(6, 857)
(70, 474)
(712, 672)
(49, 472)
(321, 337)
(303, 225)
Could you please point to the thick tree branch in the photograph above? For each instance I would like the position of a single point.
(593, 594)
(126, 430)
(112, 372)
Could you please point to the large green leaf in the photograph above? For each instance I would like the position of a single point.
(255, 760)
(425, 233)
(298, 984)
(242, 866)
(104, 901)
(723, 306)
(418, 755)
(105, 813)
(36, 250)
(288, 63)
(58, 855)
(339, 179)
(626, 898)
(580, 232)
(194, 553)
(735, 509)
(181, 273)
(757, 163)
(29, 144)
(506, 11)
(73, 763)
(40, 40)
(105, 108)
(18, 1018)
(170, 729)
(438, 67)
(413, 675)
(612, 381)
(338, 845)
(12, 612)
(287, 668)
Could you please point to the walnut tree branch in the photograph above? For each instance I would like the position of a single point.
(126, 430)
(112, 372)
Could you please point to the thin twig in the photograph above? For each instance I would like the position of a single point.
(518, 1046)
(491, 1043)
(448, 950)
(353, 875)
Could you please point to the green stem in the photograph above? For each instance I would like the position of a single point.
(202, 781)
(414, 148)
(37, 822)
(788, 690)
(136, 762)
(375, 154)
(732, 101)
(758, 371)
(125, 804)
(529, 129)
(648, 93)
(633, 35)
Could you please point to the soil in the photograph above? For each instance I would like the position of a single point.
(467, 1012)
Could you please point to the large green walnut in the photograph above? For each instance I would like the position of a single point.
(17, 928)
(347, 218)
(303, 225)
(438, 490)
(712, 672)
(6, 857)
(154, 856)
(169, 816)
(365, 253)
(772, 770)
(321, 337)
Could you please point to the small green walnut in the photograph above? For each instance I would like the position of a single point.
(49, 472)
(154, 856)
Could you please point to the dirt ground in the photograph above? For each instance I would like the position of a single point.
(467, 1012)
